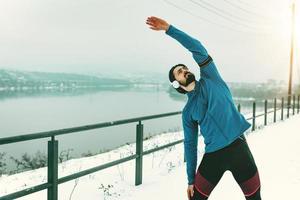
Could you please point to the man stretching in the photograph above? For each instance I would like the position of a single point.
(210, 106)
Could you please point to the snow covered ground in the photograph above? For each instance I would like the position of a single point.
(276, 149)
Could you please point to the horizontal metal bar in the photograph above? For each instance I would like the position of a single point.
(262, 114)
(46, 134)
(162, 147)
(25, 192)
(95, 169)
(249, 118)
(271, 111)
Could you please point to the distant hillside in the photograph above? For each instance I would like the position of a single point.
(19, 80)
(25, 81)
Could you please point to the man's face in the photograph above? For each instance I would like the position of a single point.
(181, 74)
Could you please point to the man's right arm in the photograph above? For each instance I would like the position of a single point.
(190, 43)
(200, 55)
(193, 45)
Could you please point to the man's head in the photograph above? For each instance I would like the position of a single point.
(181, 73)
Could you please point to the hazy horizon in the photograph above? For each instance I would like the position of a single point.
(111, 37)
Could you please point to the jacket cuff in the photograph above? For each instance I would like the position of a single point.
(191, 182)
(169, 31)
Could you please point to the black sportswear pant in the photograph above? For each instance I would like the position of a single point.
(236, 158)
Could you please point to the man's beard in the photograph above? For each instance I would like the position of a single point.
(191, 78)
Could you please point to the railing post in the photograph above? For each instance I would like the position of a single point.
(53, 168)
(239, 108)
(294, 104)
(253, 116)
(266, 111)
(275, 105)
(298, 104)
(282, 107)
(139, 153)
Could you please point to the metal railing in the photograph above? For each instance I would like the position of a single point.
(53, 181)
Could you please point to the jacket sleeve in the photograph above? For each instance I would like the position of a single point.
(194, 46)
(190, 129)
(210, 71)
(208, 68)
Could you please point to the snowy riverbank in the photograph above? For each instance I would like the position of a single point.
(275, 148)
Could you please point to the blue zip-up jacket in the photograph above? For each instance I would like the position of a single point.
(209, 105)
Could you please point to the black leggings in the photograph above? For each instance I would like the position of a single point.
(236, 158)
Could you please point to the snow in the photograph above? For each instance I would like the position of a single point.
(275, 149)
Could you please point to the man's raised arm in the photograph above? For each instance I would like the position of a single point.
(193, 45)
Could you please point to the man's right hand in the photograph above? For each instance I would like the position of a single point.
(190, 191)
(157, 24)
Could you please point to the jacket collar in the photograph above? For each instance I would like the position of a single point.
(194, 91)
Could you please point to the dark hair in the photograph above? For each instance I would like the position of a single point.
(172, 78)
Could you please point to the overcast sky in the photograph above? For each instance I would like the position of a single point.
(111, 37)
